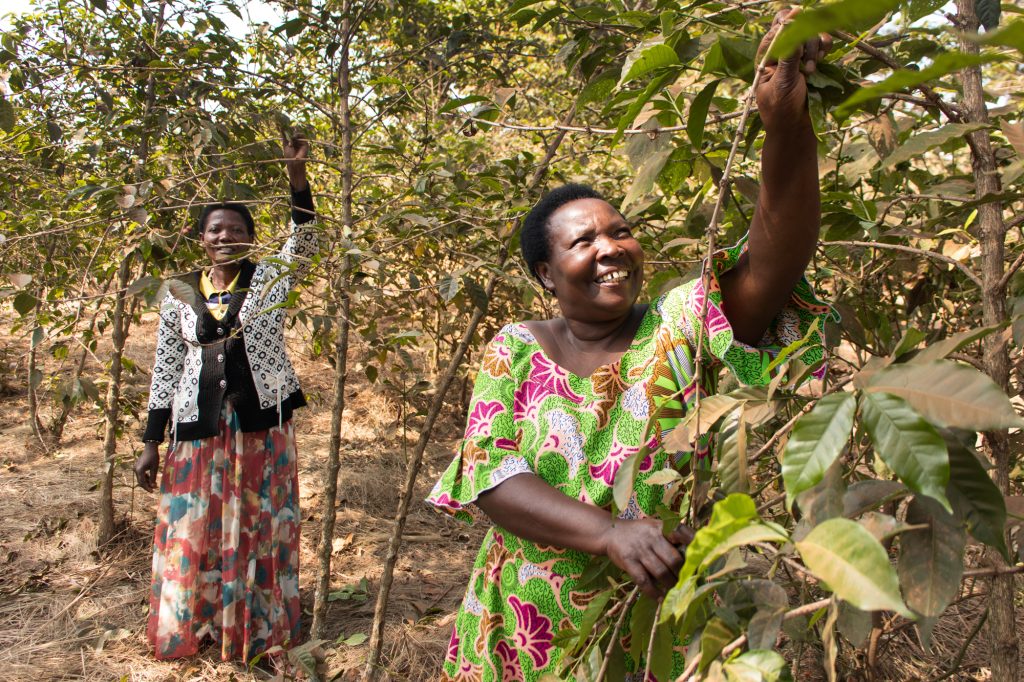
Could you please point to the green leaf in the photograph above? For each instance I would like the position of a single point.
(7, 117)
(698, 114)
(645, 58)
(907, 444)
(902, 79)
(849, 15)
(1011, 35)
(853, 564)
(922, 142)
(696, 424)
(454, 104)
(910, 339)
(716, 635)
(988, 13)
(916, 9)
(870, 494)
(355, 639)
(949, 394)
(24, 303)
(757, 665)
(625, 477)
(732, 454)
(747, 535)
(817, 439)
(643, 98)
(931, 560)
(727, 517)
(952, 344)
(975, 497)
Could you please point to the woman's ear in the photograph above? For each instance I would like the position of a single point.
(544, 273)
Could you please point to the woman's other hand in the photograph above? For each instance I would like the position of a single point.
(782, 90)
(147, 465)
(641, 549)
(296, 151)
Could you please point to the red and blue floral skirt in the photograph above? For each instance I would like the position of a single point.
(226, 548)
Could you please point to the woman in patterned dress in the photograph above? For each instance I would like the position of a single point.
(559, 404)
(226, 547)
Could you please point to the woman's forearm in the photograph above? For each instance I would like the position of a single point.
(530, 508)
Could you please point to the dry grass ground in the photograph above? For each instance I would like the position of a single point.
(67, 612)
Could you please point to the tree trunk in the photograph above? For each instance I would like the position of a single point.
(33, 400)
(401, 515)
(991, 231)
(330, 494)
(113, 407)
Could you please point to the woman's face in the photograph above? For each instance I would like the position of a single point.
(595, 266)
(225, 237)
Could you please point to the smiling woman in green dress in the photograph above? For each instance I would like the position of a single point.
(559, 404)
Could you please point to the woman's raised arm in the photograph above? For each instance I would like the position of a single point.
(784, 230)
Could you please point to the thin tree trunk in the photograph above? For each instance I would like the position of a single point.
(33, 400)
(113, 406)
(402, 514)
(330, 496)
(991, 232)
(56, 427)
(121, 322)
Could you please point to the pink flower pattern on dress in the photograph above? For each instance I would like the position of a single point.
(481, 416)
(533, 631)
(606, 470)
(511, 671)
(552, 377)
(527, 399)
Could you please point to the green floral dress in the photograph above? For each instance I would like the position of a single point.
(529, 415)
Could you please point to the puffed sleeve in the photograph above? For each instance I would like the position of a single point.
(804, 315)
(489, 451)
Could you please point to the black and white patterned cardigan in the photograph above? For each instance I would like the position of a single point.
(200, 361)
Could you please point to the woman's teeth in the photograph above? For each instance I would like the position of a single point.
(616, 276)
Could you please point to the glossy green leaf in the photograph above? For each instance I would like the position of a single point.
(697, 116)
(903, 79)
(870, 494)
(757, 665)
(645, 58)
(697, 423)
(817, 439)
(853, 564)
(1011, 35)
(922, 142)
(907, 444)
(727, 517)
(931, 559)
(952, 344)
(976, 499)
(732, 454)
(7, 117)
(949, 394)
(826, 17)
(625, 478)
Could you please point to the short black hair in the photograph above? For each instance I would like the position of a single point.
(240, 209)
(533, 238)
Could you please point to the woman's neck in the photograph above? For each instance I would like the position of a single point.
(604, 335)
(222, 274)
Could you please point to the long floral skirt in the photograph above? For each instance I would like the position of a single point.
(226, 548)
